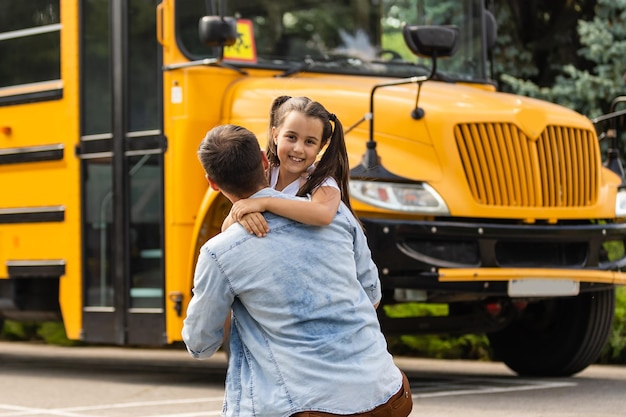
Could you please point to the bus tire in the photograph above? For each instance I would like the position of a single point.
(557, 337)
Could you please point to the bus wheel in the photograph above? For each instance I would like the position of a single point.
(557, 337)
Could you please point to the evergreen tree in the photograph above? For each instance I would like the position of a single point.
(588, 90)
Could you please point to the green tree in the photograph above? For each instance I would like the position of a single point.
(539, 35)
(589, 83)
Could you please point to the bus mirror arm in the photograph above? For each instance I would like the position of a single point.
(427, 41)
(370, 166)
(613, 160)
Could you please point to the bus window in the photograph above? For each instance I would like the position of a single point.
(96, 62)
(29, 43)
(146, 232)
(98, 234)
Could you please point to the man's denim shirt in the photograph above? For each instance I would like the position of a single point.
(304, 335)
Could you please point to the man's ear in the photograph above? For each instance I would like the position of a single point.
(212, 184)
(264, 160)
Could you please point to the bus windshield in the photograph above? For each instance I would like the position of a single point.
(362, 37)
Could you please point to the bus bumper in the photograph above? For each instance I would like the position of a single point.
(483, 257)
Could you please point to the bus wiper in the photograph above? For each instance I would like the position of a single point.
(204, 62)
(299, 67)
(323, 60)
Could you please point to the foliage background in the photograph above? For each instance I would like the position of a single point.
(569, 52)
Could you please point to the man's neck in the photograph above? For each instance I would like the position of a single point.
(234, 198)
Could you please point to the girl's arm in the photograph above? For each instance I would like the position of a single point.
(253, 222)
(320, 211)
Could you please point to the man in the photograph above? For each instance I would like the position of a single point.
(305, 339)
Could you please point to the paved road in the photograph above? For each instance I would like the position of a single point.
(41, 381)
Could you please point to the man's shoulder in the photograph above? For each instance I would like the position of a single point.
(230, 237)
(344, 212)
(237, 236)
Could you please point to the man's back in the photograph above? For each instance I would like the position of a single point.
(305, 333)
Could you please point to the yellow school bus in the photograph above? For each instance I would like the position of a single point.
(503, 208)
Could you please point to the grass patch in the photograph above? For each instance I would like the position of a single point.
(50, 332)
(470, 346)
(614, 352)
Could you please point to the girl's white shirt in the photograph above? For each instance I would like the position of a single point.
(292, 189)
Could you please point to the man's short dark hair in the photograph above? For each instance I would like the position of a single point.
(232, 158)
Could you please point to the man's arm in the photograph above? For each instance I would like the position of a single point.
(208, 310)
(366, 269)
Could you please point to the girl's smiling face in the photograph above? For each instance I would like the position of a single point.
(298, 141)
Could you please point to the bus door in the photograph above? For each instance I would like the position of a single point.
(121, 151)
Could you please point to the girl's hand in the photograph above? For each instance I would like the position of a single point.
(247, 205)
(228, 221)
(255, 224)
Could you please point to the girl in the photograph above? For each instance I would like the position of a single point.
(299, 129)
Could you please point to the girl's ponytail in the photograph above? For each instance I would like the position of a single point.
(334, 163)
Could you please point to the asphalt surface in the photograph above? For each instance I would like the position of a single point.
(38, 380)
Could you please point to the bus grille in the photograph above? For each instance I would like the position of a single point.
(506, 168)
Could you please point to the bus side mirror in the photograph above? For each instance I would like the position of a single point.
(218, 30)
(491, 29)
(431, 41)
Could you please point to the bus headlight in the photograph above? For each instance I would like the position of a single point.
(620, 203)
(414, 198)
